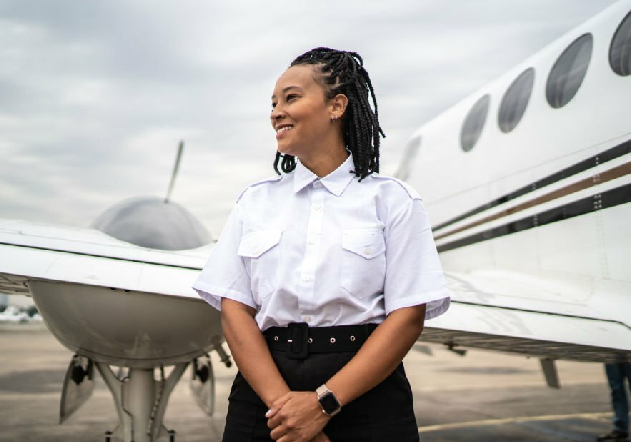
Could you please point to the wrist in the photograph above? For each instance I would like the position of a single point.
(274, 396)
(329, 403)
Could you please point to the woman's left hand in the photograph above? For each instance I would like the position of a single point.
(296, 417)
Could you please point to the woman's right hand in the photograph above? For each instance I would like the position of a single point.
(321, 437)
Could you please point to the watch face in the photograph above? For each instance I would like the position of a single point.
(329, 403)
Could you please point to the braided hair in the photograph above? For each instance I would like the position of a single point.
(343, 72)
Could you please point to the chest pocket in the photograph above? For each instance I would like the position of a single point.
(261, 252)
(363, 266)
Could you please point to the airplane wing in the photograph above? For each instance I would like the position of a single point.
(35, 251)
(519, 315)
(110, 300)
(528, 315)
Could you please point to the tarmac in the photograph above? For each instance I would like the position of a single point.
(482, 396)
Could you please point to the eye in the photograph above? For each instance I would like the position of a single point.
(291, 97)
(273, 105)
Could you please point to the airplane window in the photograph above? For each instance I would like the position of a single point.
(568, 71)
(620, 50)
(516, 100)
(474, 123)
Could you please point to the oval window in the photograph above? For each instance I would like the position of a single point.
(568, 71)
(474, 123)
(516, 100)
(620, 50)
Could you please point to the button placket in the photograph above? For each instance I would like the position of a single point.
(312, 246)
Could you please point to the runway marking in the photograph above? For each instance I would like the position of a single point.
(502, 385)
(513, 420)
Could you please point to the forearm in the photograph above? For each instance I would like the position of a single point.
(250, 351)
(380, 354)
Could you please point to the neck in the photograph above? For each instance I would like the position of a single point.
(325, 159)
(323, 165)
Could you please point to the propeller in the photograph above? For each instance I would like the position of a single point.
(175, 169)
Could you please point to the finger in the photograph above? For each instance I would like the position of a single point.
(275, 420)
(277, 433)
(277, 405)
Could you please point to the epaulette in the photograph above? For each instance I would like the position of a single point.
(258, 183)
(411, 191)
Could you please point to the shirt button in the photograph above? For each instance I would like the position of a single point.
(317, 185)
(317, 208)
(306, 278)
(307, 318)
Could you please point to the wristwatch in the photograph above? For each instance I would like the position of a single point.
(329, 403)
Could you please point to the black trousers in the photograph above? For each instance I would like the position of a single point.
(382, 414)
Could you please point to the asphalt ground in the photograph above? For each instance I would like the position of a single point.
(482, 396)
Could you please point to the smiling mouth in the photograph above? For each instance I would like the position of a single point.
(283, 129)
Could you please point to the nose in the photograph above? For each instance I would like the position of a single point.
(277, 113)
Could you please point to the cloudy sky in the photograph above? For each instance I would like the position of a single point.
(95, 96)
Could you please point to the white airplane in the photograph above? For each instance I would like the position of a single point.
(528, 184)
(119, 294)
(13, 315)
(531, 209)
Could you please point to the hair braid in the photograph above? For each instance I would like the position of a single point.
(287, 165)
(343, 72)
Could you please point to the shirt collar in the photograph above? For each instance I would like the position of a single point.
(335, 182)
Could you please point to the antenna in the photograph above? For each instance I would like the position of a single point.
(175, 169)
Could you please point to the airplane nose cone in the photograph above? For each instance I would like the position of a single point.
(150, 222)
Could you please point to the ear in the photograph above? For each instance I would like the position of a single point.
(338, 106)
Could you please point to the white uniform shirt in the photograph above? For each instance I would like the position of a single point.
(326, 251)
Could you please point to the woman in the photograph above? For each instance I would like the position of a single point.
(324, 274)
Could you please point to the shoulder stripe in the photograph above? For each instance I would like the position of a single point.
(258, 183)
(411, 191)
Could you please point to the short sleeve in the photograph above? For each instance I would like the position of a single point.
(224, 275)
(414, 275)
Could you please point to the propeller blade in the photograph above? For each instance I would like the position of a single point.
(175, 169)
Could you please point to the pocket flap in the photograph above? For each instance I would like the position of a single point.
(255, 243)
(365, 243)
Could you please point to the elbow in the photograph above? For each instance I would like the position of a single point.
(416, 319)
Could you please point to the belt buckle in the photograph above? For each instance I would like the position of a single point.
(297, 340)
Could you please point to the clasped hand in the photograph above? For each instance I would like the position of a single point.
(297, 417)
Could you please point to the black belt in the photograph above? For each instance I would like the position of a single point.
(298, 339)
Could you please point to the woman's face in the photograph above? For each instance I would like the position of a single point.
(301, 115)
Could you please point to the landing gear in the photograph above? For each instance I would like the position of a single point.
(78, 386)
(108, 436)
(140, 401)
(202, 384)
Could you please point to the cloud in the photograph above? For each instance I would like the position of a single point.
(95, 96)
